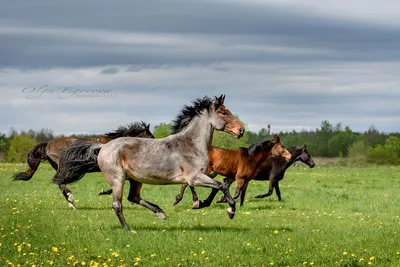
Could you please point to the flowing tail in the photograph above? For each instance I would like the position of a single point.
(34, 157)
(77, 160)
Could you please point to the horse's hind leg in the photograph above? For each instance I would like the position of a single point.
(105, 192)
(68, 195)
(134, 196)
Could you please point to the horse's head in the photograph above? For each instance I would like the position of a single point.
(223, 120)
(276, 148)
(306, 158)
(145, 131)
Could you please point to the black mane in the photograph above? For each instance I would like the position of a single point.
(132, 129)
(189, 112)
(255, 148)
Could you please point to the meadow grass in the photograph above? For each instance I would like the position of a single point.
(328, 216)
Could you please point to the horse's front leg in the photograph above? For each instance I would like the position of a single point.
(277, 191)
(228, 181)
(204, 180)
(270, 189)
(243, 192)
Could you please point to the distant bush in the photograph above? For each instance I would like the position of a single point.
(387, 153)
(357, 155)
(19, 148)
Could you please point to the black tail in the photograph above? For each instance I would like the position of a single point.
(34, 157)
(77, 160)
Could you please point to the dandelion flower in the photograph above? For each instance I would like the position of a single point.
(153, 255)
(54, 249)
(345, 253)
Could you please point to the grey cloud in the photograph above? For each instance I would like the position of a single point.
(111, 70)
(228, 27)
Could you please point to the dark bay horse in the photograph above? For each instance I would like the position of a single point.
(239, 164)
(274, 169)
(180, 158)
(51, 150)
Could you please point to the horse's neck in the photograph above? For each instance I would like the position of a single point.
(295, 157)
(200, 132)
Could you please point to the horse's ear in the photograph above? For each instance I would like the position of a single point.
(219, 101)
(222, 99)
(148, 126)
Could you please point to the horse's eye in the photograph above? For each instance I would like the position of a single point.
(223, 112)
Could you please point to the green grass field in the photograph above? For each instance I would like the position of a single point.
(328, 216)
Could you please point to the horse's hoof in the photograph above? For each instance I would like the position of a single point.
(196, 205)
(72, 206)
(231, 213)
(161, 215)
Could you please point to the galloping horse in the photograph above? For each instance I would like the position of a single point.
(273, 169)
(237, 164)
(51, 150)
(180, 158)
(55, 149)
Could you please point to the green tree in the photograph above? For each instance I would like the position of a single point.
(389, 153)
(4, 143)
(19, 148)
(340, 142)
(225, 140)
(162, 130)
(373, 137)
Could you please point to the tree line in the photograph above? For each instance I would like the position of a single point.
(331, 141)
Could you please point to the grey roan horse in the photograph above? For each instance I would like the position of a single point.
(180, 158)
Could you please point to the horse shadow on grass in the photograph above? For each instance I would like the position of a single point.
(175, 228)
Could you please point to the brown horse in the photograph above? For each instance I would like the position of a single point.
(273, 169)
(51, 150)
(239, 164)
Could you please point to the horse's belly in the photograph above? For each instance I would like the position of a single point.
(151, 177)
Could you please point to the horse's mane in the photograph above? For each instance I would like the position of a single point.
(132, 129)
(189, 112)
(254, 148)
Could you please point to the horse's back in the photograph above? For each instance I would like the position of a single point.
(137, 158)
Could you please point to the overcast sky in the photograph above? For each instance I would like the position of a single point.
(90, 66)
